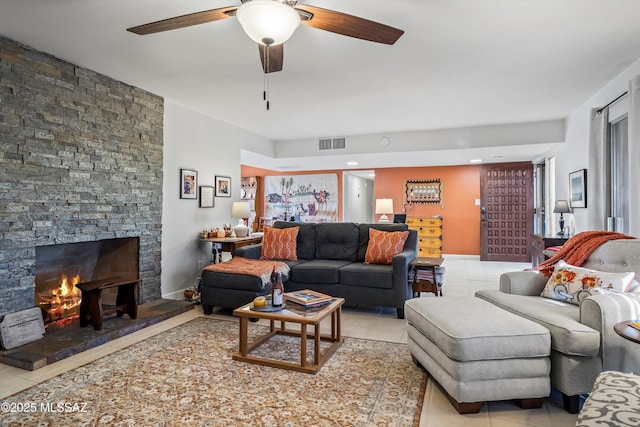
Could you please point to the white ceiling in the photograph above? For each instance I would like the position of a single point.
(460, 63)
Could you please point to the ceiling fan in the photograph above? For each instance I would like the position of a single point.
(271, 22)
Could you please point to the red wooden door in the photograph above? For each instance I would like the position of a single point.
(506, 209)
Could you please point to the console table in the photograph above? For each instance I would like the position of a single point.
(228, 244)
(539, 243)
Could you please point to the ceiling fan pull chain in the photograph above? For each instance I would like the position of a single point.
(266, 75)
(264, 81)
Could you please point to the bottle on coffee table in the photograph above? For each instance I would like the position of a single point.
(277, 291)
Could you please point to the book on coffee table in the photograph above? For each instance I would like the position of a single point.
(307, 297)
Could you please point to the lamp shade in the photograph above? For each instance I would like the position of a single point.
(562, 206)
(241, 210)
(268, 22)
(384, 206)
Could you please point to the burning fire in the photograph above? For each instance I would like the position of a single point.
(62, 301)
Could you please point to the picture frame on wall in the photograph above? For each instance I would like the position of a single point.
(188, 184)
(223, 186)
(578, 188)
(207, 199)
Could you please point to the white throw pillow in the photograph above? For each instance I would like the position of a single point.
(573, 284)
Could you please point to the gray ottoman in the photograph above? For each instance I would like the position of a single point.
(478, 352)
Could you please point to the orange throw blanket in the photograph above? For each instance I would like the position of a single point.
(261, 268)
(578, 248)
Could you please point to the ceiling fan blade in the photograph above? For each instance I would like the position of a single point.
(349, 25)
(276, 57)
(182, 21)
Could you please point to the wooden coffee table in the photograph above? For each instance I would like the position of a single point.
(310, 317)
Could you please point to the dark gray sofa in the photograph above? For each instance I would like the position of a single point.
(330, 260)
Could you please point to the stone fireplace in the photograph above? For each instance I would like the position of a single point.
(59, 268)
(82, 160)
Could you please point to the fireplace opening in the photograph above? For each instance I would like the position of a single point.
(59, 268)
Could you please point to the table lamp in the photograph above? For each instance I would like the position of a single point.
(561, 207)
(384, 207)
(241, 210)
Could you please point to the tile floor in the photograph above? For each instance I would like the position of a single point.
(464, 276)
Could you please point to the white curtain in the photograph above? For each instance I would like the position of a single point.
(596, 178)
(634, 156)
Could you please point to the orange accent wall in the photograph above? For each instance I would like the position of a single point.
(460, 189)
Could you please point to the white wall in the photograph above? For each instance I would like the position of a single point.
(211, 147)
(574, 155)
(357, 197)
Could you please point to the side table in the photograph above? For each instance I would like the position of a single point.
(539, 243)
(424, 275)
(626, 331)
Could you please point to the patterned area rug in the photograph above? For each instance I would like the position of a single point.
(186, 377)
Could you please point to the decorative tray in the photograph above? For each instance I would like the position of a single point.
(267, 308)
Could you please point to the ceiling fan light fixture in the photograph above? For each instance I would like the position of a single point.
(268, 22)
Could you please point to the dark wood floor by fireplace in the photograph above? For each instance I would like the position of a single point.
(72, 339)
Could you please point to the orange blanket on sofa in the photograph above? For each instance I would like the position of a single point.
(261, 268)
(578, 248)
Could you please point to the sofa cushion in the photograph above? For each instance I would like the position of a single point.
(279, 243)
(384, 245)
(337, 241)
(306, 241)
(318, 271)
(573, 284)
(367, 275)
(562, 319)
(363, 240)
(616, 255)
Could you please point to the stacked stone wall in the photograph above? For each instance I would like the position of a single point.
(80, 160)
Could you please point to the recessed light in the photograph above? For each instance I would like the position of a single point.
(475, 161)
(352, 163)
(372, 174)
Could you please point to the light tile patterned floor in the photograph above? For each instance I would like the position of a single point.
(464, 276)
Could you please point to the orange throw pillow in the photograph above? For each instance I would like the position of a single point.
(279, 243)
(384, 245)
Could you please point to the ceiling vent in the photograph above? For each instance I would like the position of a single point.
(339, 143)
(331, 144)
(324, 144)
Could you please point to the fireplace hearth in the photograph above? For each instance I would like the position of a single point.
(59, 268)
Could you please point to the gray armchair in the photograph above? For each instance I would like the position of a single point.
(583, 341)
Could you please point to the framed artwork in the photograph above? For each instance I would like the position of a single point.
(206, 196)
(305, 198)
(223, 186)
(423, 192)
(188, 184)
(578, 188)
